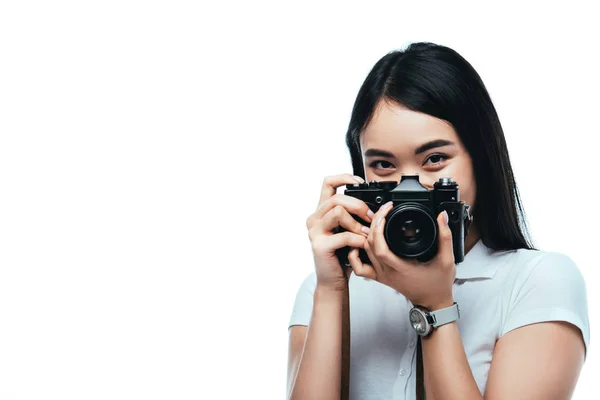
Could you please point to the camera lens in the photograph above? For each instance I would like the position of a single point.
(410, 231)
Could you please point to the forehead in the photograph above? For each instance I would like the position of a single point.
(395, 127)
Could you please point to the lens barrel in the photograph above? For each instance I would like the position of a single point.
(411, 231)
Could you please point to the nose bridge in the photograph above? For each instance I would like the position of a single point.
(409, 166)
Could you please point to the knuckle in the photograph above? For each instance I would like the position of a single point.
(449, 260)
(338, 211)
(309, 222)
(354, 240)
(370, 241)
(336, 198)
(447, 234)
(358, 227)
(347, 176)
(384, 257)
(317, 246)
(347, 237)
(331, 202)
(380, 253)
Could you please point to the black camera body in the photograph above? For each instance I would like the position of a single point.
(411, 229)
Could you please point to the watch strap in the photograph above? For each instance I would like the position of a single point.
(445, 315)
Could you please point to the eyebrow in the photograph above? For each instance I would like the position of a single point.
(421, 149)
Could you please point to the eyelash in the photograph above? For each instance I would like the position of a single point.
(442, 156)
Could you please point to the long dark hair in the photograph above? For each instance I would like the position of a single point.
(437, 81)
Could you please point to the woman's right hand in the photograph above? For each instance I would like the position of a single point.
(334, 211)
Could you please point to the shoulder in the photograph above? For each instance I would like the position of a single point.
(542, 268)
(542, 286)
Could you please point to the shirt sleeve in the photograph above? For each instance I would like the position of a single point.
(303, 305)
(551, 290)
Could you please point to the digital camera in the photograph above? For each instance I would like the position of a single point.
(411, 229)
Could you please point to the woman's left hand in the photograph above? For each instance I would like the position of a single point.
(426, 284)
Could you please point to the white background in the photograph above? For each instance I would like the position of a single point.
(158, 161)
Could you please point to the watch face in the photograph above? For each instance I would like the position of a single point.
(417, 319)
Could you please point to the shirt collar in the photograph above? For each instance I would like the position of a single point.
(480, 262)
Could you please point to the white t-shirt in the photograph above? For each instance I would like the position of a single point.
(496, 292)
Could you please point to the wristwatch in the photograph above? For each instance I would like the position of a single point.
(425, 321)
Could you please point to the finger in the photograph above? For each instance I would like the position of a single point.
(374, 261)
(331, 183)
(377, 238)
(328, 244)
(360, 269)
(351, 204)
(338, 217)
(445, 247)
(379, 245)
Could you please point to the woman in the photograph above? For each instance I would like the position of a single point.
(519, 328)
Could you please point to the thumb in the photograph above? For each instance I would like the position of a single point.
(445, 248)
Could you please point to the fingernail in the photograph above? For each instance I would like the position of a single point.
(370, 214)
(366, 229)
(389, 204)
(445, 217)
(359, 179)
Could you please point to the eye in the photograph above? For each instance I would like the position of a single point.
(381, 164)
(435, 159)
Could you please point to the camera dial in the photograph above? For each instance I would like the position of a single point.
(446, 181)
